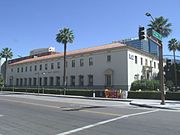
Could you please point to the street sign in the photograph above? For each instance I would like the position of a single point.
(156, 35)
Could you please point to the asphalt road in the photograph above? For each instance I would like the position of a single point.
(40, 115)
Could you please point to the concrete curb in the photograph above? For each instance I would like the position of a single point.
(69, 96)
(151, 106)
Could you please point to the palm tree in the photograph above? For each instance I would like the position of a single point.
(161, 25)
(174, 46)
(7, 54)
(65, 36)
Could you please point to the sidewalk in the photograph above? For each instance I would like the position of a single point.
(169, 104)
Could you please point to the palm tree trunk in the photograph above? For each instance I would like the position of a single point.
(64, 77)
(5, 79)
(175, 73)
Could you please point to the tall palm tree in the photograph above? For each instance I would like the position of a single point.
(161, 25)
(174, 46)
(65, 36)
(7, 54)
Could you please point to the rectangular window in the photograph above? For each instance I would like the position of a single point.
(58, 65)
(52, 65)
(81, 80)
(46, 66)
(109, 58)
(30, 81)
(72, 80)
(90, 80)
(57, 81)
(45, 81)
(30, 68)
(136, 59)
(34, 81)
(17, 82)
(25, 81)
(146, 62)
(35, 67)
(40, 81)
(51, 81)
(141, 61)
(90, 61)
(21, 69)
(17, 70)
(150, 63)
(11, 69)
(21, 82)
(26, 69)
(73, 63)
(81, 62)
(154, 64)
(40, 67)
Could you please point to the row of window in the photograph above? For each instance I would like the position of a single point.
(146, 62)
(51, 81)
(52, 65)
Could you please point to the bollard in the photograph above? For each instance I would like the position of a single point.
(94, 93)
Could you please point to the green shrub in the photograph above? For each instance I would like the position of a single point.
(173, 95)
(153, 95)
(145, 85)
(170, 85)
(144, 94)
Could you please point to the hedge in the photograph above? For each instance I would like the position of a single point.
(77, 92)
(153, 95)
(144, 95)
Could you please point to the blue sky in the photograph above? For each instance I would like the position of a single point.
(31, 24)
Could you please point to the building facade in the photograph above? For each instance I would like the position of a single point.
(113, 65)
(144, 45)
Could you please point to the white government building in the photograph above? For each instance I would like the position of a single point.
(114, 65)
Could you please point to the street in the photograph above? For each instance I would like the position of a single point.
(43, 115)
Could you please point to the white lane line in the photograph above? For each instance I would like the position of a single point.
(30, 103)
(104, 122)
(1, 115)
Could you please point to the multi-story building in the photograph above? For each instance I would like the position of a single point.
(144, 45)
(113, 65)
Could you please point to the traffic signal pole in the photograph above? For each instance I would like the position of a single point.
(161, 69)
(161, 74)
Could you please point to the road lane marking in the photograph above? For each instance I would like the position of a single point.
(31, 103)
(1, 115)
(104, 113)
(106, 121)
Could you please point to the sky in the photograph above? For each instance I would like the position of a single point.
(30, 24)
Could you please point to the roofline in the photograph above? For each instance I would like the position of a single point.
(75, 53)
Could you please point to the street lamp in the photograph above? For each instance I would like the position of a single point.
(161, 76)
(39, 79)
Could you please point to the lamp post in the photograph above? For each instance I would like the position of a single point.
(39, 80)
(161, 76)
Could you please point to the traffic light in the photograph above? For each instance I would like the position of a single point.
(141, 33)
(168, 62)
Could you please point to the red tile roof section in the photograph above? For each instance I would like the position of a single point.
(75, 52)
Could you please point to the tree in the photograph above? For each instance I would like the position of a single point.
(7, 54)
(65, 36)
(161, 25)
(173, 46)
